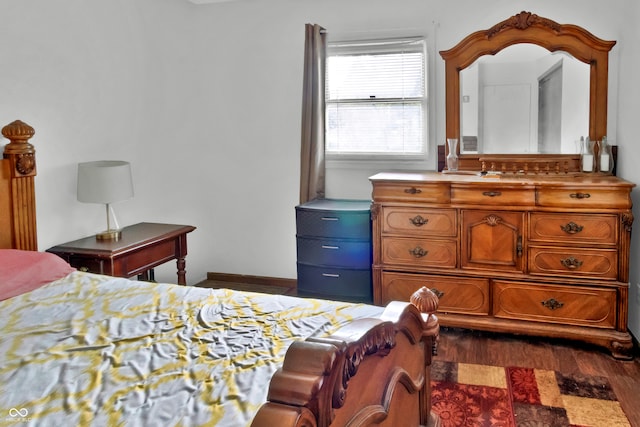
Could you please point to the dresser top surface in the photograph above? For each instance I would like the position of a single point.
(133, 237)
(506, 179)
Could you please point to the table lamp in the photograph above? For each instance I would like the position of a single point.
(105, 181)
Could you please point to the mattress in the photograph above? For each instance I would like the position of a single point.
(95, 350)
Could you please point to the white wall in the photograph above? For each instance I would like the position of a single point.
(204, 101)
(627, 111)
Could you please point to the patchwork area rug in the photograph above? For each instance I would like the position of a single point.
(481, 396)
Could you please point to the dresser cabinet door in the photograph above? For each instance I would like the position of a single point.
(492, 240)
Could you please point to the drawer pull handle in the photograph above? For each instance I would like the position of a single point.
(438, 292)
(418, 252)
(330, 275)
(492, 193)
(552, 304)
(330, 218)
(330, 247)
(519, 246)
(413, 190)
(571, 228)
(571, 263)
(579, 195)
(418, 221)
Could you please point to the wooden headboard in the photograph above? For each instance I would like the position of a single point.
(17, 191)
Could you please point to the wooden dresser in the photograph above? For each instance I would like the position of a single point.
(544, 255)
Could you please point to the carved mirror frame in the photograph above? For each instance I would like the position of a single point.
(526, 27)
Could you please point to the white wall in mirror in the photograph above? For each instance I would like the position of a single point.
(506, 108)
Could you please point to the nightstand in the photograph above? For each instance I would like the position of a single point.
(142, 247)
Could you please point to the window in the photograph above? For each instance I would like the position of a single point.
(376, 99)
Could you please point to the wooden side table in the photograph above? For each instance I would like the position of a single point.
(142, 247)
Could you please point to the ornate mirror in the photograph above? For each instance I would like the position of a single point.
(547, 47)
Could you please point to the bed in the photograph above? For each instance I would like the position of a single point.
(78, 348)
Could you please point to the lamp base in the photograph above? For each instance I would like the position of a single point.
(114, 235)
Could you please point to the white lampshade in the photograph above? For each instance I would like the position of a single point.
(104, 181)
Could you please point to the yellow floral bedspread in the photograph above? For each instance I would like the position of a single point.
(92, 350)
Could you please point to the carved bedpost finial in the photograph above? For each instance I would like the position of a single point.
(425, 300)
(22, 168)
(19, 133)
(19, 150)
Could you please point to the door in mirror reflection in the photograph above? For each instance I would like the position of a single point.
(550, 111)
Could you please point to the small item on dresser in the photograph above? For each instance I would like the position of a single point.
(452, 156)
(586, 155)
(491, 174)
(606, 160)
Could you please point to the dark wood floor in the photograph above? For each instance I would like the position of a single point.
(486, 348)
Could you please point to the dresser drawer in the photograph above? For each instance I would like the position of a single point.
(492, 195)
(340, 224)
(456, 294)
(422, 222)
(574, 262)
(421, 192)
(571, 227)
(334, 252)
(340, 283)
(419, 252)
(574, 305)
(585, 197)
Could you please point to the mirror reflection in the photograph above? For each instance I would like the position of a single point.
(524, 99)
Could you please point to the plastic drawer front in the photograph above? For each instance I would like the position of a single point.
(339, 283)
(334, 252)
(343, 225)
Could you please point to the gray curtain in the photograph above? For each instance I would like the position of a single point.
(312, 166)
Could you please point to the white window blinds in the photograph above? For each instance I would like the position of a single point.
(376, 98)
